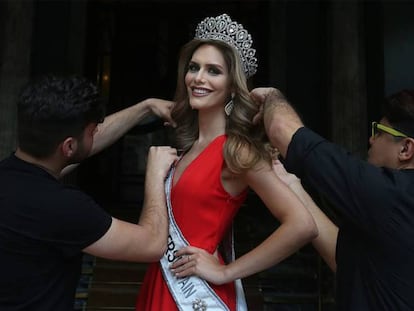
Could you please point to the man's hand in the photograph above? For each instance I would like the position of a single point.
(160, 160)
(285, 176)
(261, 96)
(279, 118)
(162, 108)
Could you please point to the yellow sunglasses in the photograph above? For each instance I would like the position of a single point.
(375, 127)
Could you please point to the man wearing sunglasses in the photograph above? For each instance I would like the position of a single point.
(371, 245)
(389, 143)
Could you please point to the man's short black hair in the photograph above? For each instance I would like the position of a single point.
(53, 108)
(399, 111)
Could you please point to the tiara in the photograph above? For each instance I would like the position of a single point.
(224, 29)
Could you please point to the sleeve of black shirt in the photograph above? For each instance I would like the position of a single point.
(359, 191)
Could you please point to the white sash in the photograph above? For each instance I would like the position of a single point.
(191, 293)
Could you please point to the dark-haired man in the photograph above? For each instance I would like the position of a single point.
(371, 248)
(45, 226)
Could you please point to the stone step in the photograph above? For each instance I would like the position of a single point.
(115, 285)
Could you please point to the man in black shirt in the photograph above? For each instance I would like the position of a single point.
(371, 248)
(45, 225)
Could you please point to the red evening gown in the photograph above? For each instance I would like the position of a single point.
(204, 212)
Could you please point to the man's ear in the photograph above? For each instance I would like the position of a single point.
(69, 147)
(407, 149)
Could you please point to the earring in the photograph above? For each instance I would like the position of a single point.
(229, 106)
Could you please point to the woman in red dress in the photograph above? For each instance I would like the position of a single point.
(224, 156)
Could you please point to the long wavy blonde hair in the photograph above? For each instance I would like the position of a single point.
(241, 133)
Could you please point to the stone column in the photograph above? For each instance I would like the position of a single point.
(348, 82)
(15, 48)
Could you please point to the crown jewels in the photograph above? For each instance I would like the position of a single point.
(224, 29)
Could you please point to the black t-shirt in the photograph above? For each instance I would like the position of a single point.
(375, 247)
(44, 225)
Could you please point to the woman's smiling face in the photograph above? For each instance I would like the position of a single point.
(207, 79)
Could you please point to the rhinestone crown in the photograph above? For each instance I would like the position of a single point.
(224, 29)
